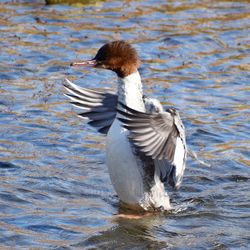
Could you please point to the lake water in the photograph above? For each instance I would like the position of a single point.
(55, 191)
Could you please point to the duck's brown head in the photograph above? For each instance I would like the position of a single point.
(118, 56)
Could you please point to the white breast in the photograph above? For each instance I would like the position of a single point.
(122, 164)
(124, 167)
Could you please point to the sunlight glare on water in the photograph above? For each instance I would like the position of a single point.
(55, 190)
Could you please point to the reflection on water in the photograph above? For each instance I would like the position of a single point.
(55, 190)
(73, 2)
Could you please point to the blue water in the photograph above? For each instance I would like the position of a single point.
(55, 191)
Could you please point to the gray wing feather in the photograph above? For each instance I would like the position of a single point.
(155, 134)
(99, 107)
(179, 125)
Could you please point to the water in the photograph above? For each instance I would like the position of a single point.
(55, 191)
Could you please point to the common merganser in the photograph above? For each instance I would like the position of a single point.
(145, 145)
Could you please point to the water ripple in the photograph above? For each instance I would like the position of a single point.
(55, 190)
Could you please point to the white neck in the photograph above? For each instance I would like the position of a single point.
(130, 91)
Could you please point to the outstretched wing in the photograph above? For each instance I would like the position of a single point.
(99, 107)
(160, 136)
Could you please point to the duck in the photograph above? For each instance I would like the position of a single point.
(146, 147)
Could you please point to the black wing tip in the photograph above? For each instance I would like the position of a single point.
(67, 83)
(124, 123)
(121, 112)
(126, 115)
(71, 95)
(123, 120)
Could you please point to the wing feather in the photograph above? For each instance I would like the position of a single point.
(99, 107)
(155, 134)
